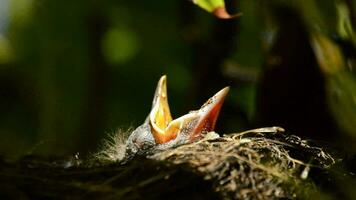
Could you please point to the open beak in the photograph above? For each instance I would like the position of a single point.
(192, 126)
(160, 115)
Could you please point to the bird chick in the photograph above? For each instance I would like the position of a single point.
(160, 131)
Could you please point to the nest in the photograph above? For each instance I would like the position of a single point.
(257, 164)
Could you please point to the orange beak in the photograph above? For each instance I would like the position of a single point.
(190, 127)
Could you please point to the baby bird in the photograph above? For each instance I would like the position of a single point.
(160, 131)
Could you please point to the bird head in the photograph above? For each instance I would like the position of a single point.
(160, 131)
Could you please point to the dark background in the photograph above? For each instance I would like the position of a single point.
(72, 72)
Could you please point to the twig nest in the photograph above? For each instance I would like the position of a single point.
(257, 164)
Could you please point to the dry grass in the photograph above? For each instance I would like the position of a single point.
(257, 164)
(262, 163)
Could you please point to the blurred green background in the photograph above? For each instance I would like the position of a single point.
(73, 71)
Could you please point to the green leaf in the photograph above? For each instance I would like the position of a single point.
(210, 5)
(216, 7)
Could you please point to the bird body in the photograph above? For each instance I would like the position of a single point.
(159, 131)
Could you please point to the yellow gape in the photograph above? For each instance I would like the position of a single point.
(193, 124)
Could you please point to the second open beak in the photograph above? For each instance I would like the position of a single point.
(192, 126)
